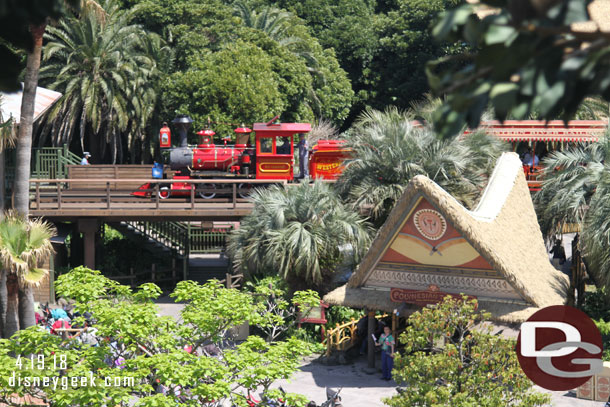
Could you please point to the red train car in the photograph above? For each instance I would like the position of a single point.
(271, 158)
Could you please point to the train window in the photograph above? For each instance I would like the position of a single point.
(283, 145)
(266, 145)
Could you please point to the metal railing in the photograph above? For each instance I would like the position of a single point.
(183, 239)
(52, 162)
(205, 240)
(172, 235)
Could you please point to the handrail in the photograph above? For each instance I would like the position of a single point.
(157, 180)
(106, 194)
(338, 337)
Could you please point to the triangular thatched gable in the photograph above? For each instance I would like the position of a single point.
(495, 253)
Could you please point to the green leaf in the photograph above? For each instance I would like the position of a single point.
(503, 97)
(497, 34)
(569, 12)
(450, 20)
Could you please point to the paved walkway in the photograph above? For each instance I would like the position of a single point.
(359, 388)
(363, 390)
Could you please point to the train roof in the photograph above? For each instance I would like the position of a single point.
(282, 127)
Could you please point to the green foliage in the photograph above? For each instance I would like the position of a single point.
(530, 58)
(338, 314)
(128, 326)
(449, 362)
(596, 306)
(575, 190)
(238, 83)
(299, 233)
(104, 66)
(24, 245)
(406, 45)
(390, 150)
(16, 18)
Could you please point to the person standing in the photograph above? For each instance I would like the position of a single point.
(559, 254)
(303, 156)
(386, 341)
(85, 160)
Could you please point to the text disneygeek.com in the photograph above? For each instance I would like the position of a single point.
(60, 362)
(65, 382)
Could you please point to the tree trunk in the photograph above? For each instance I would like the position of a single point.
(24, 141)
(12, 313)
(3, 298)
(3, 181)
(27, 317)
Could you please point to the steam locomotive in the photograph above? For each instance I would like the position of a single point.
(271, 158)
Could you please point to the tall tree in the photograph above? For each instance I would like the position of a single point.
(102, 65)
(24, 246)
(21, 202)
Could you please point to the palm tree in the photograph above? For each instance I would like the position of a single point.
(576, 189)
(7, 140)
(103, 67)
(271, 20)
(391, 148)
(26, 122)
(300, 232)
(24, 245)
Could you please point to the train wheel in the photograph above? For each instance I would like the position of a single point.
(244, 190)
(164, 192)
(206, 194)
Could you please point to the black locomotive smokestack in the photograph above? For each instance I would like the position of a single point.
(183, 124)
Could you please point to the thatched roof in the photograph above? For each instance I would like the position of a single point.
(503, 229)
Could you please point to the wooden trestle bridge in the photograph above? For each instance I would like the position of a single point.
(90, 202)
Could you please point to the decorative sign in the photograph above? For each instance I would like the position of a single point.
(432, 295)
(333, 166)
(430, 223)
(316, 315)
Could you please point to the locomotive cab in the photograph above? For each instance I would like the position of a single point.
(275, 149)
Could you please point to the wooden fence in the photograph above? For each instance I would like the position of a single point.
(343, 336)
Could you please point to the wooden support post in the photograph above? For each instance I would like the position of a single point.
(153, 270)
(394, 325)
(193, 186)
(174, 269)
(371, 342)
(157, 196)
(58, 195)
(107, 195)
(89, 228)
(234, 195)
(37, 194)
(228, 280)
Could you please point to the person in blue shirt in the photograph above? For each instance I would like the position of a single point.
(85, 160)
(386, 341)
(530, 158)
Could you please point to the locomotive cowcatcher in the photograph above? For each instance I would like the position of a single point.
(271, 158)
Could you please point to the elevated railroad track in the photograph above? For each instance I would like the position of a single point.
(112, 199)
